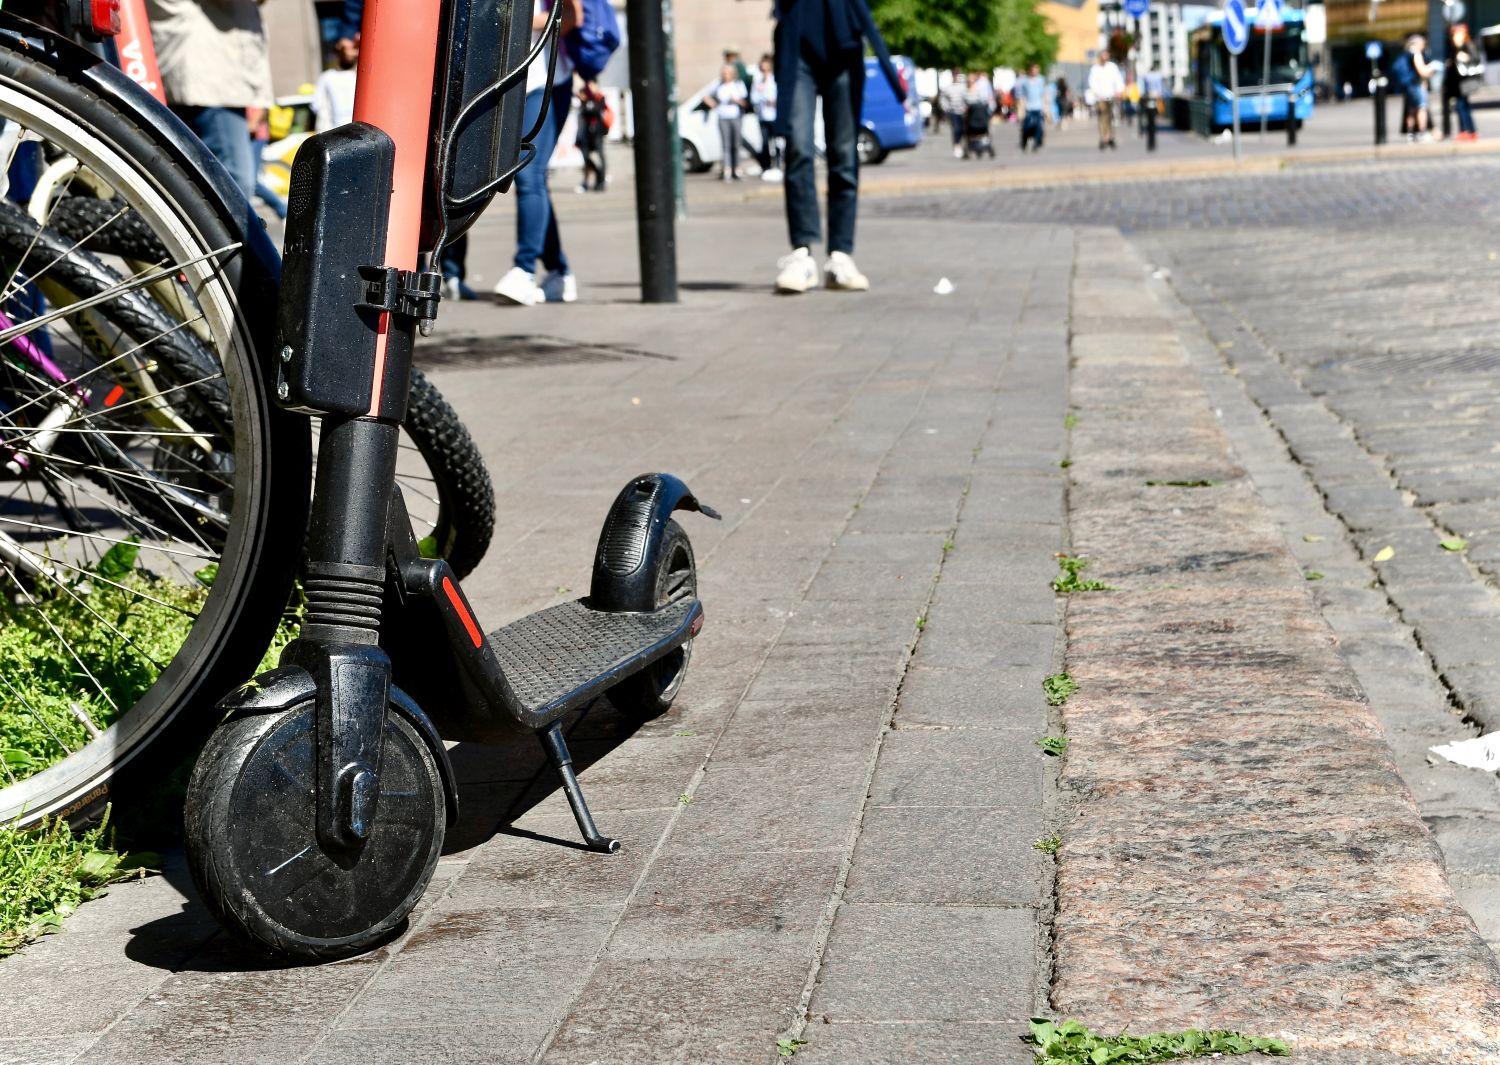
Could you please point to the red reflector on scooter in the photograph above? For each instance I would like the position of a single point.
(451, 591)
(104, 17)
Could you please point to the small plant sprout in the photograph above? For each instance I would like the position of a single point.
(921, 622)
(947, 546)
(1053, 745)
(1068, 580)
(789, 1047)
(1070, 420)
(1048, 845)
(684, 800)
(1063, 464)
(1058, 687)
(1453, 543)
(1313, 575)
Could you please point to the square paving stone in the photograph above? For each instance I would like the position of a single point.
(700, 905)
(682, 1011)
(967, 856)
(927, 963)
(497, 1043)
(973, 698)
(972, 767)
(784, 807)
(947, 641)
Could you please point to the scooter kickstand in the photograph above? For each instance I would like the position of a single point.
(557, 753)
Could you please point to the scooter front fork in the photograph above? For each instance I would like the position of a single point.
(340, 640)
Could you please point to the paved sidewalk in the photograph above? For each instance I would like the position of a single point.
(830, 838)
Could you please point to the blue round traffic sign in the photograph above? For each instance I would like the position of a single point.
(1137, 8)
(1236, 26)
(1373, 51)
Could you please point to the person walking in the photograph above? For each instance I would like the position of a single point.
(1105, 86)
(1463, 76)
(594, 120)
(1062, 98)
(214, 65)
(979, 112)
(954, 106)
(820, 54)
(1031, 97)
(537, 234)
(763, 100)
(333, 92)
(729, 101)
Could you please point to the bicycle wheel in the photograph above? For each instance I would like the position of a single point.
(144, 473)
(442, 476)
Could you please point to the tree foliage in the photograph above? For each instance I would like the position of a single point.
(972, 34)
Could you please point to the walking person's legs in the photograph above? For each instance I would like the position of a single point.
(226, 134)
(536, 225)
(839, 133)
(1465, 114)
(797, 271)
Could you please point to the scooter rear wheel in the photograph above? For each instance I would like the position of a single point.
(650, 692)
(254, 854)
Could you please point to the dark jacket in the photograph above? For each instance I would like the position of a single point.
(789, 48)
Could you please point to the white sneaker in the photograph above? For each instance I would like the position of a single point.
(840, 273)
(560, 288)
(451, 291)
(798, 272)
(771, 174)
(519, 287)
(958, 153)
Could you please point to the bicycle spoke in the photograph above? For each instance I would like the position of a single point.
(40, 718)
(10, 291)
(105, 539)
(63, 640)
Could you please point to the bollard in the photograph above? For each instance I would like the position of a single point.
(1151, 127)
(1291, 125)
(655, 200)
(1377, 86)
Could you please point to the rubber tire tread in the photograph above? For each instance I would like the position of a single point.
(465, 492)
(209, 821)
(79, 217)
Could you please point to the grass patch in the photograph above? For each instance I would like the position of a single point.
(1070, 1043)
(1181, 484)
(1047, 844)
(1069, 579)
(787, 1048)
(47, 872)
(124, 624)
(1313, 575)
(1070, 420)
(1053, 745)
(1058, 687)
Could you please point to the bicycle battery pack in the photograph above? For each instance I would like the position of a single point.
(490, 40)
(336, 221)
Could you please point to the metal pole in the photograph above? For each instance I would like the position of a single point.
(679, 194)
(1379, 97)
(655, 208)
(1265, 79)
(1234, 102)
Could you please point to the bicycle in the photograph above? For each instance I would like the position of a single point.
(316, 813)
(146, 478)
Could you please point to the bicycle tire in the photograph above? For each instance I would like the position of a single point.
(272, 459)
(465, 521)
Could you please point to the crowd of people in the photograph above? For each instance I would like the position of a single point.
(1462, 74)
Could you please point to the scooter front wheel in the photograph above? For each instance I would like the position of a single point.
(253, 849)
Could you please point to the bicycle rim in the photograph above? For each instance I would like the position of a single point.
(122, 602)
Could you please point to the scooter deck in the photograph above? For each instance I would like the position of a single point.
(569, 654)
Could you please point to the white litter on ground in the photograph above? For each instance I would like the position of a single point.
(1481, 752)
(944, 287)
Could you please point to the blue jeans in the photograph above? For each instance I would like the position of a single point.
(225, 133)
(1465, 113)
(536, 221)
(831, 83)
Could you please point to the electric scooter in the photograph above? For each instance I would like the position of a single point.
(316, 813)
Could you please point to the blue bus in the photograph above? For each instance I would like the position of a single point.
(1206, 107)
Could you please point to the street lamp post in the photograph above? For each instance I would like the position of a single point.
(655, 201)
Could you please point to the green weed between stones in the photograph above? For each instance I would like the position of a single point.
(1070, 1043)
(788, 1047)
(1068, 580)
(46, 873)
(124, 625)
(1052, 745)
(1048, 845)
(1058, 687)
